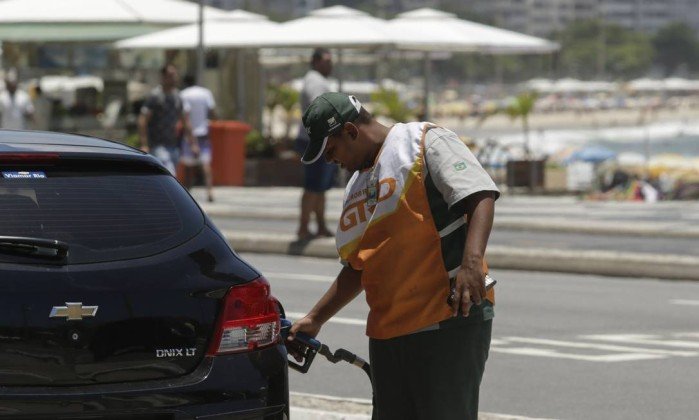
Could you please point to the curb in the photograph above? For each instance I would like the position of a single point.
(616, 264)
(665, 230)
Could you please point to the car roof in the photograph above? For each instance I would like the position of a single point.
(34, 141)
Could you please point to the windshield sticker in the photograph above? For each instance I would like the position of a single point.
(24, 175)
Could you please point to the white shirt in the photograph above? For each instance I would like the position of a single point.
(14, 109)
(200, 101)
(314, 85)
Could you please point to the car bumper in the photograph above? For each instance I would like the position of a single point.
(242, 386)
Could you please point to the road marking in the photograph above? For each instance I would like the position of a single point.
(684, 302)
(333, 320)
(296, 276)
(625, 353)
(644, 339)
(597, 346)
(530, 351)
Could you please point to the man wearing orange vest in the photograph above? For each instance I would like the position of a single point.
(416, 219)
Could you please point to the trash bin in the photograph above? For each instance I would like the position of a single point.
(525, 173)
(228, 152)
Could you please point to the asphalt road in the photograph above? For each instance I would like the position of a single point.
(562, 240)
(564, 346)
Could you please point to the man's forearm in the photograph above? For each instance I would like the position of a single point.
(480, 210)
(187, 126)
(344, 289)
(142, 131)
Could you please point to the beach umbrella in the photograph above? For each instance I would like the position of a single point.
(336, 26)
(431, 30)
(93, 20)
(428, 29)
(237, 29)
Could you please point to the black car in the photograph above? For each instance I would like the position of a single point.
(118, 296)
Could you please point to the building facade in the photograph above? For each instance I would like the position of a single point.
(287, 9)
(542, 17)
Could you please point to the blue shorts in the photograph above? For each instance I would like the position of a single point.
(204, 152)
(319, 176)
(168, 156)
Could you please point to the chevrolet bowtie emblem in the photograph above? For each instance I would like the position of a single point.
(73, 311)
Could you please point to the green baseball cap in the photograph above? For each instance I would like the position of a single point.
(325, 116)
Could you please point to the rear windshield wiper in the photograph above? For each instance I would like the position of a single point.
(34, 247)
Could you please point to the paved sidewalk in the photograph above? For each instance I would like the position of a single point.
(604, 263)
(532, 213)
(553, 214)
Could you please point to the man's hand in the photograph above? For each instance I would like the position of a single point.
(143, 119)
(307, 325)
(469, 288)
(194, 146)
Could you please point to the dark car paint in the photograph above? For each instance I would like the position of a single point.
(166, 301)
(255, 382)
(135, 296)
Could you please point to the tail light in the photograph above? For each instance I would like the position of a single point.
(249, 319)
(28, 157)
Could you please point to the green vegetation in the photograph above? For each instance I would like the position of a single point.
(257, 145)
(592, 49)
(521, 107)
(285, 97)
(388, 103)
(676, 46)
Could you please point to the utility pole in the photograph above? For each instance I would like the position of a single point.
(601, 41)
(200, 46)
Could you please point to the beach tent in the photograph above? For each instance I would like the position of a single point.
(428, 29)
(93, 20)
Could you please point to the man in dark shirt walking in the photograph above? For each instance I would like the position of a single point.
(157, 124)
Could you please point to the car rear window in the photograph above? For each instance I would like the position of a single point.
(101, 216)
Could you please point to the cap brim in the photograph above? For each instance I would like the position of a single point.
(314, 151)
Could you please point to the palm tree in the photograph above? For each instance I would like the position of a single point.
(521, 107)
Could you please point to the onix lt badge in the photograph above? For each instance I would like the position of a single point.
(73, 311)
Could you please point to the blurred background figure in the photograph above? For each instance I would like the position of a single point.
(319, 176)
(157, 124)
(43, 110)
(15, 105)
(202, 107)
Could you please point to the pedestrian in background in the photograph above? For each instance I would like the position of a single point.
(416, 219)
(43, 110)
(319, 176)
(15, 105)
(202, 107)
(157, 124)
